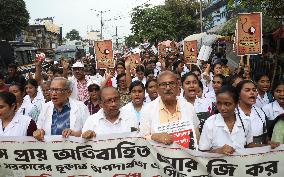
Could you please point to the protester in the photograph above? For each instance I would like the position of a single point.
(19, 91)
(264, 97)
(119, 69)
(93, 102)
(278, 129)
(34, 97)
(202, 106)
(14, 76)
(207, 76)
(3, 87)
(233, 80)
(137, 104)
(62, 115)
(79, 81)
(272, 110)
(246, 110)
(140, 74)
(122, 87)
(226, 132)
(45, 86)
(13, 124)
(110, 119)
(152, 90)
(167, 109)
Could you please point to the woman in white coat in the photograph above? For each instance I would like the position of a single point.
(13, 124)
(226, 132)
(134, 108)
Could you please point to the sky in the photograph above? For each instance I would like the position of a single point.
(77, 14)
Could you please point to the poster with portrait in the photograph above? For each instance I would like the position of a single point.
(135, 60)
(190, 51)
(249, 34)
(104, 54)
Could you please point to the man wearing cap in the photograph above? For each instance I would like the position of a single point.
(79, 81)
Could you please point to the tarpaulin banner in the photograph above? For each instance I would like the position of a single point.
(129, 157)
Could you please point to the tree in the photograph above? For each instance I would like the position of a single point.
(73, 35)
(14, 18)
(271, 8)
(173, 21)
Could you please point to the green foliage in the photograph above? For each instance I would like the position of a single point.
(73, 35)
(269, 25)
(272, 8)
(14, 18)
(173, 21)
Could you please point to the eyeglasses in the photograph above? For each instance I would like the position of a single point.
(111, 100)
(57, 90)
(170, 84)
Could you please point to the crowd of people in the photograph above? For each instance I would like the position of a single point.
(224, 109)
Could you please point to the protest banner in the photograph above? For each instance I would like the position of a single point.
(249, 34)
(135, 60)
(104, 54)
(129, 157)
(190, 51)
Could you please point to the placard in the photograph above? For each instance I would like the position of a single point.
(104, 54)
(190, 51)
(249, 33)
(135, 60)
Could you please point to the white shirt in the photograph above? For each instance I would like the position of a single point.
(211, 95)
(143, 81)
(256, 118)
(202, 105)
(78, 115)
(33, 108)
(17, 127)
(101, 126)
(260, 102)
(216, 134)
(272, 110)
(132, 113)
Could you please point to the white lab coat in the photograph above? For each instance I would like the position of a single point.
(272, 110)
(78, 115)
(216, 134)
(131, 112)
(17, 127)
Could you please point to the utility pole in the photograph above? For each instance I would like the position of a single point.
(201, 30)
(101, 13)
(116, 40)
(101, 25)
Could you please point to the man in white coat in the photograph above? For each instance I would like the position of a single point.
(169, 114)
(62, 115)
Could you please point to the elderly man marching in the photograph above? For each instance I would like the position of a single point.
(169, 116)
(62, 115)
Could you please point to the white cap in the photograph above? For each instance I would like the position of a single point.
(78, 65)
